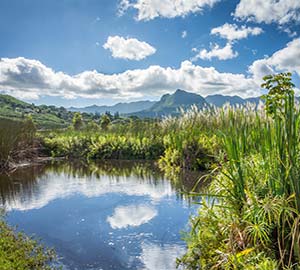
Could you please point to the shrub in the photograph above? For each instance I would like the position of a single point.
(19, 252)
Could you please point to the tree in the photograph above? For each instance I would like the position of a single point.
(280, 95)
(77, 121)
(92, 126)
(105, 121)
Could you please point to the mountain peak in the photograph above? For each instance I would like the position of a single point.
(170, 103)
(180, 91)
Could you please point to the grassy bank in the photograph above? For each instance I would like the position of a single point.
(174, 147)
(250, 217)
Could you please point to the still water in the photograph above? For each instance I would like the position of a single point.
(113, 215)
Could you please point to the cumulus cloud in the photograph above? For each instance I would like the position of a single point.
(286, 59)
(131, 215)
(128, 48)
(23, 77)
(233, 32)
(150, 9)
(217, 52)
(268, 11)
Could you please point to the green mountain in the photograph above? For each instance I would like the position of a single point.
(43, 116)
(170, 104)
(121, 108)
(59, 117)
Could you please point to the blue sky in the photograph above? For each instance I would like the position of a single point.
(83, 52)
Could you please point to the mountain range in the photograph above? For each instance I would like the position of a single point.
(220, 100)
(122, 108)
(169, 104)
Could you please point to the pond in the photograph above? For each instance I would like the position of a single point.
(112, 215)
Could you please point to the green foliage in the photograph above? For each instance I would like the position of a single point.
(44, 117)
(186, 152)
(103, 146)
(280, 93)
(15, 137)
(251, 215)
(104, 121)
(77, 121)
(19, 252)
(251, 218)
(92, 126)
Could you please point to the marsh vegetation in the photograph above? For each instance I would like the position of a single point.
(250, 212)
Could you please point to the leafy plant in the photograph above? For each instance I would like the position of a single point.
(19, 252)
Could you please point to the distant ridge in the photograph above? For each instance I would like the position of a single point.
(169, 104)
(122, 108)
(220, 100)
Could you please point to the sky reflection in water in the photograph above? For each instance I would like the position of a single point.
(106, 216)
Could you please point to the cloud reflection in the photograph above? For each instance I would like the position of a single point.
(58, 186)
(160, 257)
(132, 215)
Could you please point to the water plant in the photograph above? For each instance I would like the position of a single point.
(251, 219)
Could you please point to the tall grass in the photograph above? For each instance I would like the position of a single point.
(175, 147)
(15, 136)
(252, 218)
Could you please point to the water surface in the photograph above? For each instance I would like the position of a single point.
(112, 215)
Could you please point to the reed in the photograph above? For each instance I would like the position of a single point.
(253, 206)
(15, 136)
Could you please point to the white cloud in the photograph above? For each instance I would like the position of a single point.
(23, 77)
(184, 34)
(161, 257)
(286, 59)
(150, 9)
(123, 6)
(128, 48)
(268, 11)
(217, 52)
(288, 30)
(233, 32)
(131, 215)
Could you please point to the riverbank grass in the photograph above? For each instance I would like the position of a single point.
(250, 217)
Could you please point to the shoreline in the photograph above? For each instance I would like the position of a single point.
(13, 166)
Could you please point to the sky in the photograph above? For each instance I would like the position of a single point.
(84, 52)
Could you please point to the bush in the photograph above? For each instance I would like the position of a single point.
(19, 252)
